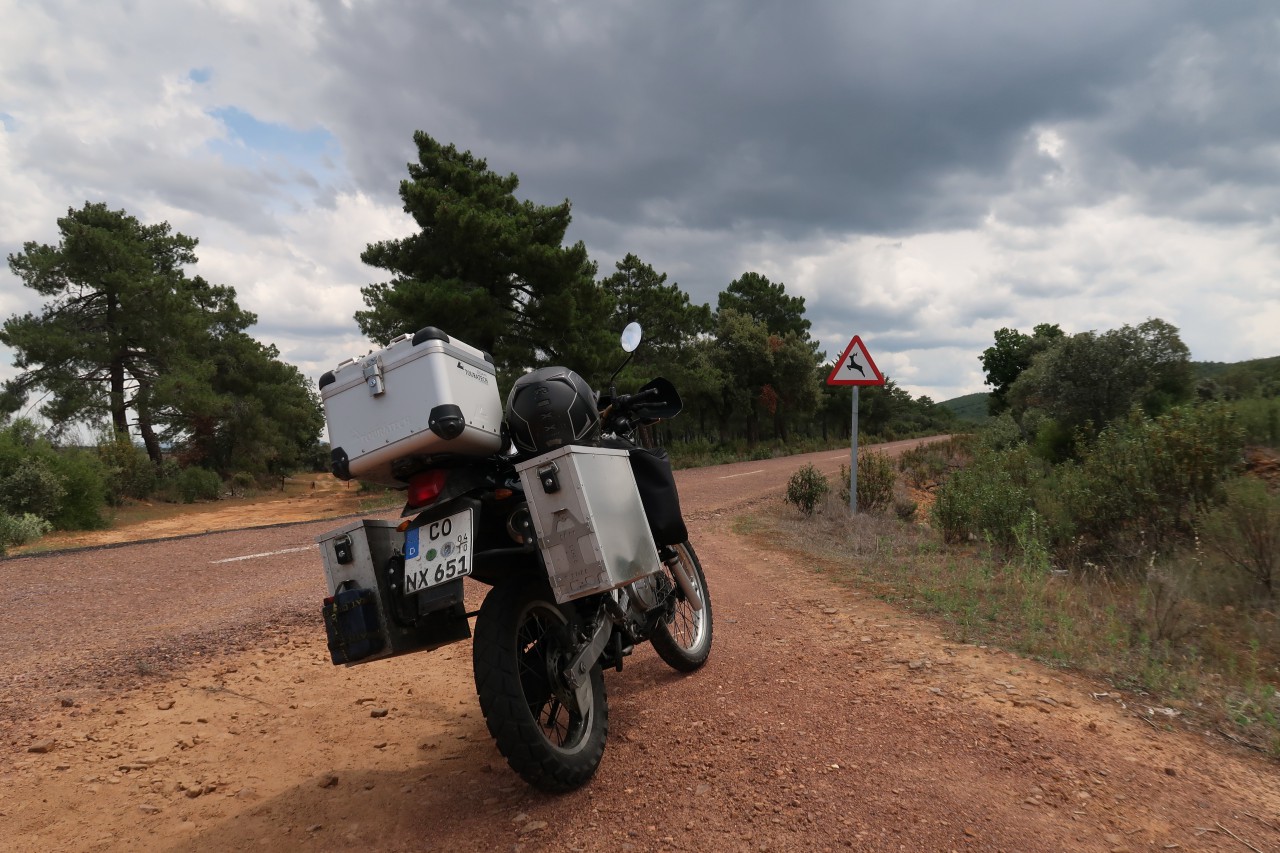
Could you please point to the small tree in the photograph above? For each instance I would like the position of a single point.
(807, 488)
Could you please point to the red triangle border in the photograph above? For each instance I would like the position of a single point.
(833, 378)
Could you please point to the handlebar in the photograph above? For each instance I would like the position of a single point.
(626, 401)
(657, 401)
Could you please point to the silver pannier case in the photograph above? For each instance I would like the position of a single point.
(589, 520)
(423, 395)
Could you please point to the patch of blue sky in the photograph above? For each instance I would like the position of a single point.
(200, 75)
(9, 122)
(303, 157)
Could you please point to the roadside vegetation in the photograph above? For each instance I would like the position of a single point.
(1134, 536)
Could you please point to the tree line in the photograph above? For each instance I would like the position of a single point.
(494, 271)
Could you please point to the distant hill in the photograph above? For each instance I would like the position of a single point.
(1259, 377)
(970, 407)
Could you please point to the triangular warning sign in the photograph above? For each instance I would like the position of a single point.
(855, 366)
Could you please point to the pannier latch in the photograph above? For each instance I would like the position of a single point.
(372, 370)
(549, 476)
(342, 550)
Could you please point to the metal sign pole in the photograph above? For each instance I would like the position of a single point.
(853, 458)
(849, 361)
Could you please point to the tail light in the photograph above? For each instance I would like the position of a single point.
(426, 487)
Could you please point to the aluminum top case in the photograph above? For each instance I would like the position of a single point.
(591, 526)
(424, 395)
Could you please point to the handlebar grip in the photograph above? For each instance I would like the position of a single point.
(643, 395)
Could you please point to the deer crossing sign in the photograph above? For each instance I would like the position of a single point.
(855, 367)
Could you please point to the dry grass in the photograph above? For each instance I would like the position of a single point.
(1167, 636)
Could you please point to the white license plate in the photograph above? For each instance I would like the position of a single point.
(437, 552)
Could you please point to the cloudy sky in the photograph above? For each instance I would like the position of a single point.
(922, 173)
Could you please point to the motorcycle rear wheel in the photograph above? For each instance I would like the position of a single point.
(684, 643)
(522, 642)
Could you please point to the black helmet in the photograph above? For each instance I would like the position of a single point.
(550, 408)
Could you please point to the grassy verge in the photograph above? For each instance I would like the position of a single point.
(1217, 667)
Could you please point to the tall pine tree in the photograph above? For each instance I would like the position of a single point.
(121, 314)
(487, 268)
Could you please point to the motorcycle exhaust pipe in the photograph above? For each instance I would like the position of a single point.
(676, 565)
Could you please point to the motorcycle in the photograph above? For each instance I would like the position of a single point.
(583, 567)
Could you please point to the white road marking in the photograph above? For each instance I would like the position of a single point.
(267, 554)
(743, 474)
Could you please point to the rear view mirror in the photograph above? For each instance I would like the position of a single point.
(631, 337)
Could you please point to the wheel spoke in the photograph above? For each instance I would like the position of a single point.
(538, 637)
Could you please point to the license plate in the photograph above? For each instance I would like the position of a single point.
(437, 552)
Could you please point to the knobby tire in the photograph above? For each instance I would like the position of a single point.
(551, 747)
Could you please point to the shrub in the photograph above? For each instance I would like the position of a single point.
(807, 488)
(905, 508)
(127, 470)
(924, 466)
(189, 485)
(1246, 532)
(875, 481)
(32, 487)
(64, 486)
(1155, 475)
(199, 484)
(1260, 420)
(1139, 483)
(21, 529)
(989, 498)
(243, 483)
(81, 473)
(1001, 433)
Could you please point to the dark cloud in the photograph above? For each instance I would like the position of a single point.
(723, 115)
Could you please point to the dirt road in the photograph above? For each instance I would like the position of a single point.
(177, 696)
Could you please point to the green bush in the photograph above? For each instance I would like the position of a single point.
(81, 472)
(876, 477)
(1135, 489)
(21, 529)
(807, 488)
(1001, 433)
(188, 485)
(243, 483)
(62, 485)
(127, 470)
(1245, 531)
(1259, 420)
(905, 508)
(989, 498)
(32, 487)
(924, 465)
(1154, 475)
(199, 484)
